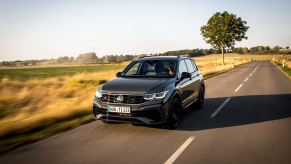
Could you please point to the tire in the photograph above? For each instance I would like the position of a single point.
(105, 122)
(109, 122)
(136, 124)
(174, 115)
(200, 100)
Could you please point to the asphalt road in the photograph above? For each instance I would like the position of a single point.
(246, 119)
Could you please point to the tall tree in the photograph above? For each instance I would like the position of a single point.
(277, 48)
(223, 30)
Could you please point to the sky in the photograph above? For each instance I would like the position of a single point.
(44, 29)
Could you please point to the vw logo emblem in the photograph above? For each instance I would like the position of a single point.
(119, 98)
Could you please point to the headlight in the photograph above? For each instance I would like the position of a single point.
(149, 96)
(98, 94)
(152, 96)
(160, 95)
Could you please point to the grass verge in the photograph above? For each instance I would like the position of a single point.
(213, 74)
(285, 70)
(216, 73)
(10, 142)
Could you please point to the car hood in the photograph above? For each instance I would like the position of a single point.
(135, 85)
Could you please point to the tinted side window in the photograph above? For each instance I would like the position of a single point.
(194, 65)
(182, 67)
(189, 66)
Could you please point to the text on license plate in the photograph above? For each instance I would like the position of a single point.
(118, 109)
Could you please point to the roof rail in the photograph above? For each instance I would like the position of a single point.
(183, 56)
(144, 56)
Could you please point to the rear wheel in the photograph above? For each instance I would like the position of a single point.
(174, 115)
(200, 99)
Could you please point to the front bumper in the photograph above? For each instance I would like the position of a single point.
(150, 112)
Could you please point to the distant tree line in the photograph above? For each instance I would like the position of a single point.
(86, 58)
(91, 57)
(262, 50)
(65, 59)
(191, 53)
(21, 63)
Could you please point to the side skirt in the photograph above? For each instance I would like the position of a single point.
(188, 103)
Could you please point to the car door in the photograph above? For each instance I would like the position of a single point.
(193, 79)
(196, 78)
(184, 84)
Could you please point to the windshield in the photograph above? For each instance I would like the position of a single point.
(151, 68)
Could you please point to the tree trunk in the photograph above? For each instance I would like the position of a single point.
(222, 51)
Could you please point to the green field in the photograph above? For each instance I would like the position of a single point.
(47, 72)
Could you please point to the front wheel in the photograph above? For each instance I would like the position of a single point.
(174, 114)
(108, 122)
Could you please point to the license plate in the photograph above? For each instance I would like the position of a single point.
(118, 109)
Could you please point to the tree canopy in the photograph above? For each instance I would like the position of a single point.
(87, 57)
(223, 30)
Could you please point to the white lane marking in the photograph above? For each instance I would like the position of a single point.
(246, 79)
(256, 68)
(220, 107)
(238, 87)
(180, 150)
(251, 74)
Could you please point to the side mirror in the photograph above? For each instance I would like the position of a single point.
(118, 74)
(185, 75)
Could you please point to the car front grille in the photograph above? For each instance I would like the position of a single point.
(126, 99)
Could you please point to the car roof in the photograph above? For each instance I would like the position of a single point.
(162, 57)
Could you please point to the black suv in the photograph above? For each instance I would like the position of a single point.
(151, 90)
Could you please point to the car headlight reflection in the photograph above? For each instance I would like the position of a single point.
(152, 96)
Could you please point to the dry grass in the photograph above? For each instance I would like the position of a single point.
(213, 63)
(34, 103)
(30, 105)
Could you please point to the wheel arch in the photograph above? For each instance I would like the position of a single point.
(203, 85)
(177, 94)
